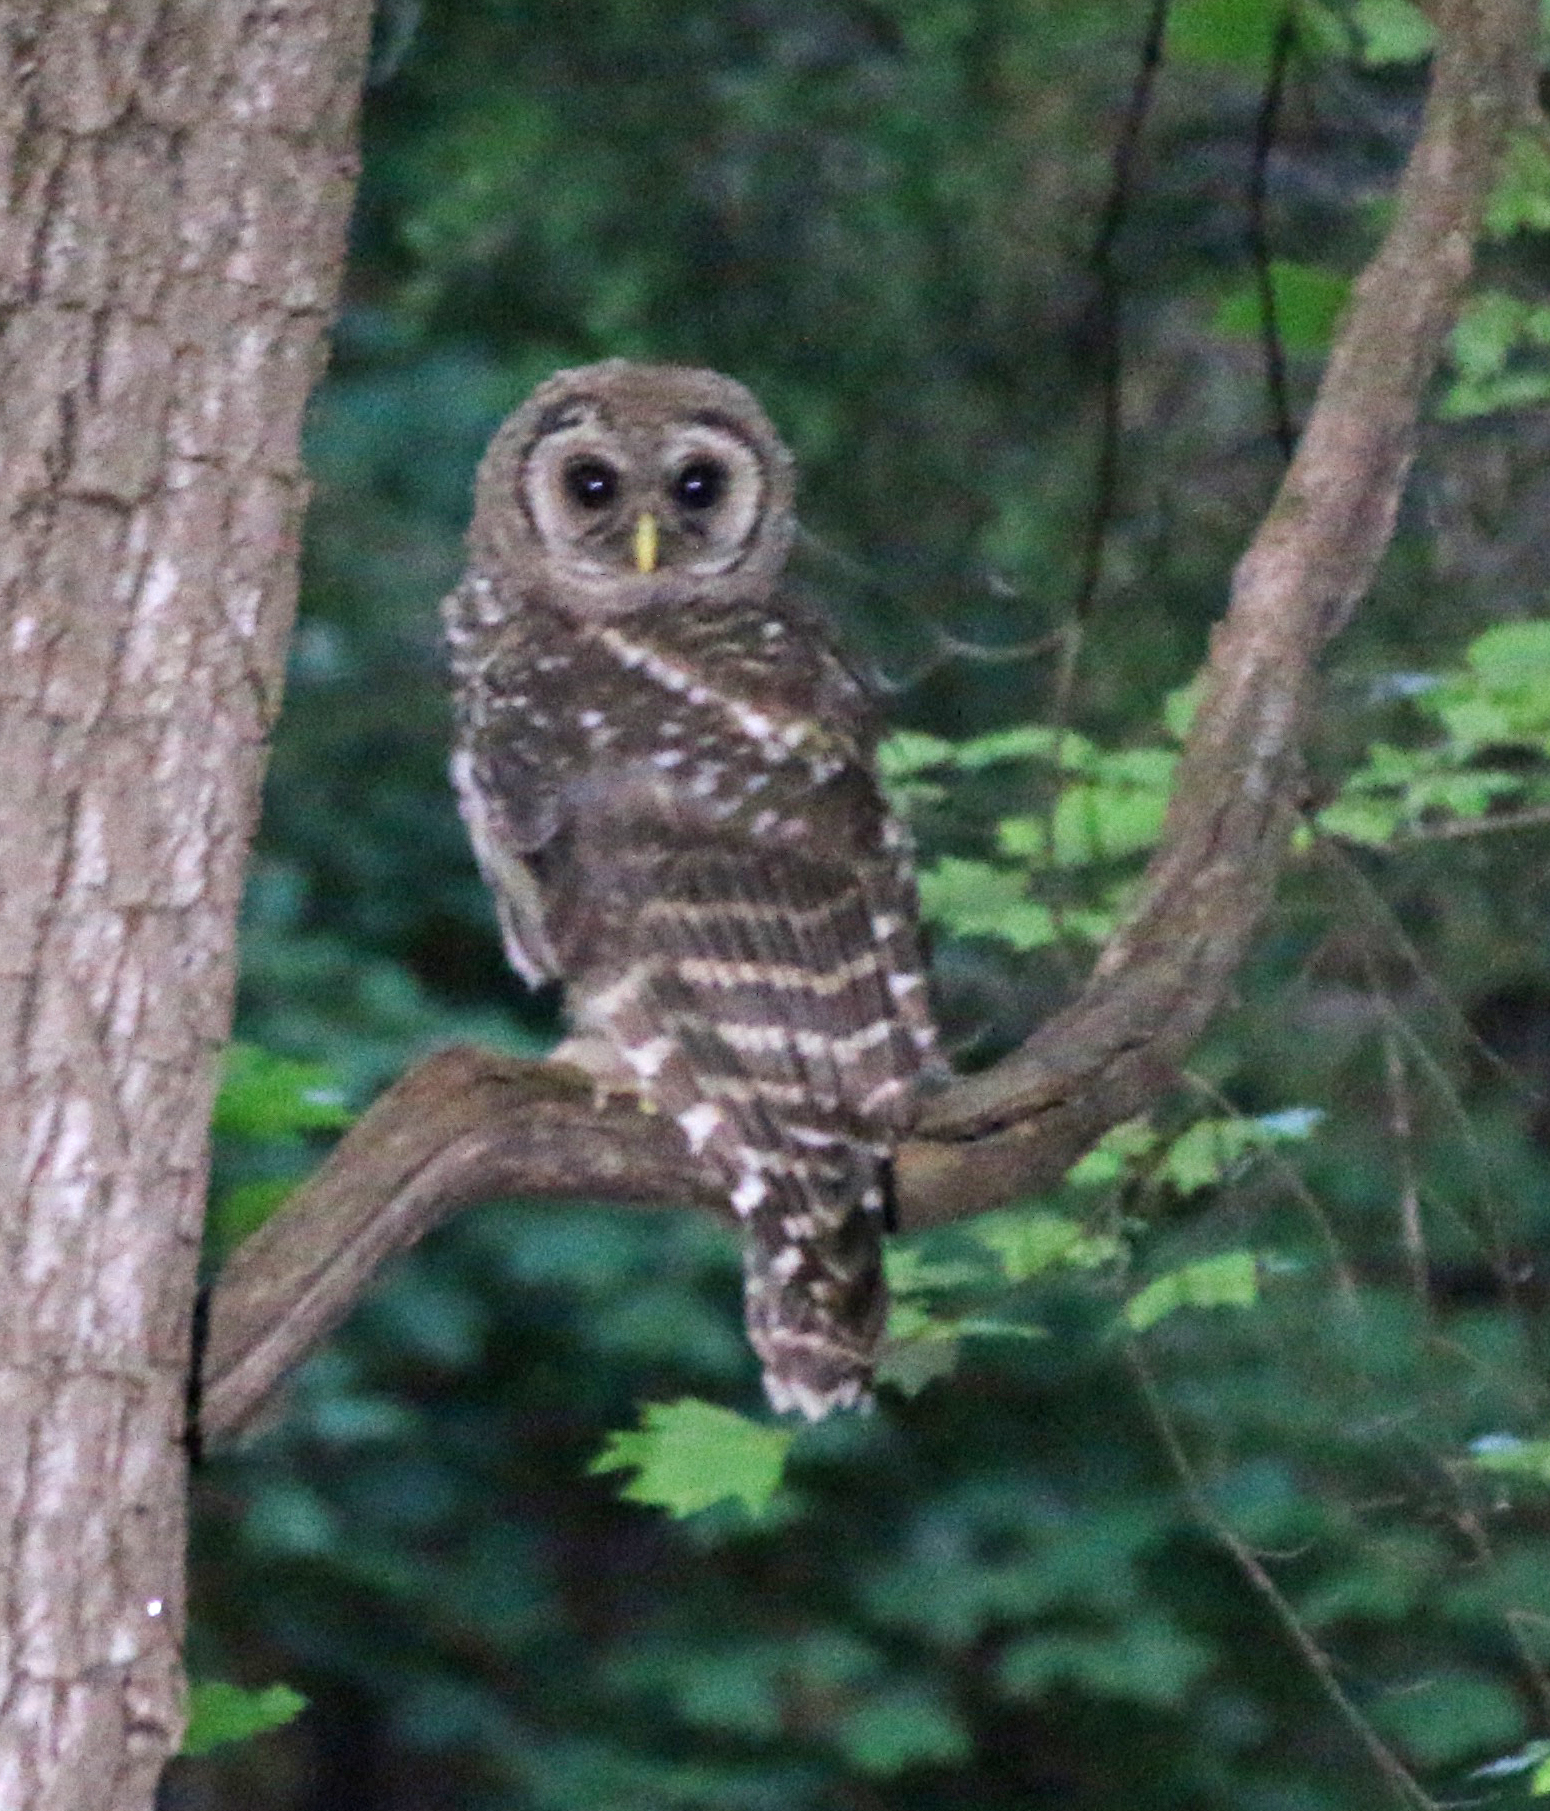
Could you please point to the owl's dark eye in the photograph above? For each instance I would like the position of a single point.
(700, 485)
(592, 483)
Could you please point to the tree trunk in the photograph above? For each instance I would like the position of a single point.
(176, 177)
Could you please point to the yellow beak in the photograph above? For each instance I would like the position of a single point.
(645, 542)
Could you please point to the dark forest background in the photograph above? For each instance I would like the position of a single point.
(998, 271)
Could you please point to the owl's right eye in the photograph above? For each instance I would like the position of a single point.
(591, 483)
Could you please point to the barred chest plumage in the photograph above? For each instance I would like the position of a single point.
(730, 718)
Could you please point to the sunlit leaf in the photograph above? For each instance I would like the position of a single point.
(1392, 31)
(1204, 1153)
(976, 899)
(1114, 1154)
(219, 1712)
(1514, 1458)
(1027, 1244)
(1229, 1280)
(267, 1096)
(689, 1454)
(908, 752)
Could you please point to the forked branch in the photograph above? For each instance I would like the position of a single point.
(469, 1125)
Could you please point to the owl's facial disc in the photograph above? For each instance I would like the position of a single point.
(623, 506)
(713, 491)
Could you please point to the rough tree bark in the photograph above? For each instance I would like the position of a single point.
(175, 178)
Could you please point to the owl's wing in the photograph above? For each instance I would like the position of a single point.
(511, 808)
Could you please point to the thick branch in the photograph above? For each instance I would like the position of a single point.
(469, 1125)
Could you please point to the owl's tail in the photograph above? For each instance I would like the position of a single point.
(814, 1295)
(754, 1004)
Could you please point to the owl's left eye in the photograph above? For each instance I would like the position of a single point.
(592, 483)
(700, 484)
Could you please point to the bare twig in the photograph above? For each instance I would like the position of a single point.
(1401, 1783)
(1265, 128)
(469, 1125)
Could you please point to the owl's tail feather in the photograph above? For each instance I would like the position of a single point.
(814, 1296)
(754, 1003)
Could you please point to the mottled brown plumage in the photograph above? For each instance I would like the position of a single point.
(668, 774)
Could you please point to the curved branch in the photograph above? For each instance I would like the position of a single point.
(469, 1125)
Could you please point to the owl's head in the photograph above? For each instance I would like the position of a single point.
(619, 485)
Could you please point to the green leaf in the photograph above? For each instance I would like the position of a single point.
(1449, 1716)
(1207, 1150)
(1512, 655)
(245, 1208)
(908, 752)
(218, 1712)
(690, 1454)
(910, 1272)
(1102, 821)
(1521, 201)
(265, 1096)
(1492, 328)
(976, 899)
(1495, 396)
(1027, 742)
(1472, 722)
(1308, 304)
(1027, 1244)
(1371, 822)
(1148, 767)
(1179, 709)
(1236, 33)
(1114, 1154)
(1504, 1453)
(1486, 331)
(898, 1728)
(1229, 1280)
(911, 1360)
(1147, 1660)
(1392, 31)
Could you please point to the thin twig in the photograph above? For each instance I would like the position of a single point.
(1110, 356)
(1395, 1774)
(1265, 127)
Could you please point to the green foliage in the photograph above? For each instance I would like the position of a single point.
(1157, 1664)
(1490, 724)
(1521, 200)
(1027, 1244)
(1392, 31)
(1487, 726)
(219, 1712)
(1229, 1280)
(1240, 34)
(1497, 350)
(1235, 33)
(1308, 304)
(1526, 1460)
(688, 1455)
(273, 1097)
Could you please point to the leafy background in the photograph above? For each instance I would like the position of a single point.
(1211, 1481)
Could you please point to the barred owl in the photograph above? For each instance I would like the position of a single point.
(668, 775)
